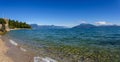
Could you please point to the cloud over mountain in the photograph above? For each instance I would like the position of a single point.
(103, 23)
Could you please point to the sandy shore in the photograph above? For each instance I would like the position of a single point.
(3, 51)
(12, 53)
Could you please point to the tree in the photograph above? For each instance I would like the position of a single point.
(2, 21)
(16, 24)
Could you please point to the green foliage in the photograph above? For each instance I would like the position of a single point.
(16, 24)
(2, 21)
(3, 28)
(13, 24)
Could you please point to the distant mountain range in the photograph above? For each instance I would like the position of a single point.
(94, 26)
(35, 26)
(84, 26)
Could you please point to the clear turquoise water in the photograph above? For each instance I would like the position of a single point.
(75, 37)
(108, 38)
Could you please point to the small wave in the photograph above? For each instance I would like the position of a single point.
(23, 49)
(41, 59)
(16, 44)
(13, 43)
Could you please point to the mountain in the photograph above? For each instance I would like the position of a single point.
(109, 26)
(94, 26)
(83, 25)
(35, 26)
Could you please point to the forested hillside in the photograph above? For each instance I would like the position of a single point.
(17, 24)
(7, 24)
(2, 25)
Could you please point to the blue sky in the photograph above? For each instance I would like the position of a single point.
(62, 12)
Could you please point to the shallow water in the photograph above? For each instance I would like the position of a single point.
(50, 40)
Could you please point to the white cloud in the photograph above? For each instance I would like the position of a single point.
(83, 22)
(103, 23)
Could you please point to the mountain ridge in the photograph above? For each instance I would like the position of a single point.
(36, 26)
(83, 25)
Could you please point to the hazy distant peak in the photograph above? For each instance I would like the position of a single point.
(84, 25)
(35, 26)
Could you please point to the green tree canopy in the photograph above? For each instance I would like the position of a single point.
(2, 21)
(17, 24)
